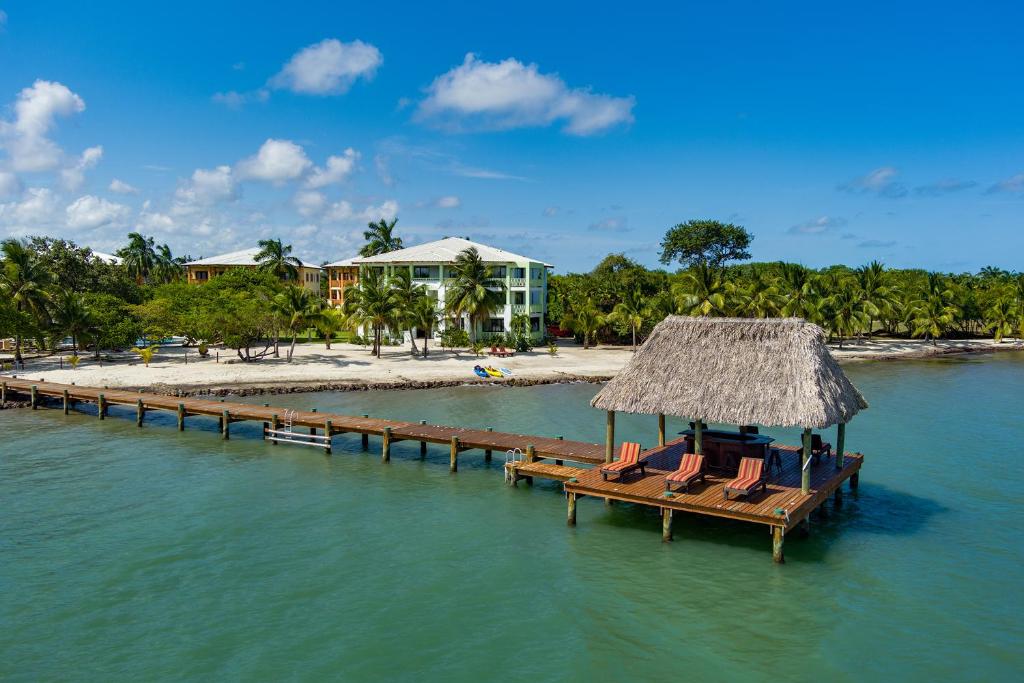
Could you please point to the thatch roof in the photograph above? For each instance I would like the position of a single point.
(775, 372)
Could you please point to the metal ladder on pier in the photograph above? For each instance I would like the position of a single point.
(289, 435)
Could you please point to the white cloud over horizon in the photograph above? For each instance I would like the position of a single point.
(89, 212)
(510, 94)
(329, 67)
(277, 161)
(36, 109)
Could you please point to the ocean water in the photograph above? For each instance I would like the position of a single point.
(148, 554)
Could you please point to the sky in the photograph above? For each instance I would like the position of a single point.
(834, 132)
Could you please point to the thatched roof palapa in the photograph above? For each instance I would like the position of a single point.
(775, 372)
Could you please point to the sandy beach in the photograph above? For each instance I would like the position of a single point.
(346, 366)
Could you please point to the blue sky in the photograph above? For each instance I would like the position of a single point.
(835, 134)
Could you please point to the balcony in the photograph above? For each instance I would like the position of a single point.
(518, 308)
(517, 282)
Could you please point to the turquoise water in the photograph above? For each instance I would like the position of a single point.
(130, 554)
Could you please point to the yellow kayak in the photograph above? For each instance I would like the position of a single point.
(493, 372)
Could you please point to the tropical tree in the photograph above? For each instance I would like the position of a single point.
(380, 238)
(23, 281)
(878, 296)
(407, 294)
(165, 267)
(756, 298)
(706, 242)
(797, 292)
(1002, 317)
(472, 291)
(328, 322)
(275, 258)
(585, 318)
(71, 316)
(701, 291)
(299, 308)
(845, 312)
(631, 313)
(424, 316)
(373, 303)
(138, 257)
(932, 315)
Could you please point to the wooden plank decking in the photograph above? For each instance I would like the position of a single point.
(783, 490)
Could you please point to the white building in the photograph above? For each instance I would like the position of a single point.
(201, 271)
(525, 279)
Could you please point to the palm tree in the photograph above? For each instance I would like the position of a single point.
(299, 308)
(328, 322)
(407, 293)
(758, 298)
(380, 238)
(139, 257)
(23, 281)
(165, 267)
(701, 292)
(585, 318)
(472, 292)
(71, 316)
(372, 302)
(798, 288)
(931, 315)
(630, 313)
(275, 258)
(872, 280)
(424, 317)
(1001, 317)
(845, 312)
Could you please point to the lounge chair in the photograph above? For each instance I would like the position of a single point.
(749, 479)
(494, 351)
(504, 353)
(691, 468)
(629, 460)
(818, 449)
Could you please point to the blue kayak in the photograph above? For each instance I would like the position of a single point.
(480, 372)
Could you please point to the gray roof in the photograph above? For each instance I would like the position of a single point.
(772, 372)
(446, 251)
(245, 257)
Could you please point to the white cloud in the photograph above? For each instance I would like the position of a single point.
(338, 169)
(342, 211)
(73, 176)
(510, 94)
(205, 188)
(1013, 185)
(329, 67)
(386, 210)
(380, 162)
(35, 112)
(339, 212)
(10, 184)
(880, 181)
(36, 207)
(235, 100)
(550, 211)
(89, 212)
(448, 202)
(611, 224)
(817, 226)
(309, 202)
(121, 187)
(154, 221)
(277, 161)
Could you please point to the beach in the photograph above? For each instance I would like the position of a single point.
(180, 370)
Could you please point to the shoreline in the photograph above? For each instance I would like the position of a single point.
(349, 368)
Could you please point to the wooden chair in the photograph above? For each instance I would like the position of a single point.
(818, 449)
(629, 460)
(503, 352)
(749, 479)
(691, 468)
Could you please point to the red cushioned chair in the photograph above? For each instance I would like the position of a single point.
(629, 460)
(691, 468)
(749, 479)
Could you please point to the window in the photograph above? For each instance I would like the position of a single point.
(202, 275)
(519, 272)
(498, 272)
(534, 297)
(426, 272)
(495, 325)
(535, 324)
(518, 298)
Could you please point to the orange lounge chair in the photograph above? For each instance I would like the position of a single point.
(691, 468)
(504, 353)
(749, 479)
(629, 460)
(494, 351)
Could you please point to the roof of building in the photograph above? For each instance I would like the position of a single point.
(772, 372)
(343, 263)
(245, 257)
(107, 258)
(445, 251)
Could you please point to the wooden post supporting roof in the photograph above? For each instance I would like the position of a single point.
(805, 468)
(661, 429)
(698, 436)
(840, 444)
(609, 437)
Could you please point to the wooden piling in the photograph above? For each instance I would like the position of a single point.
(571, 519)
(140, 412)
(385, 447)
(666, 525)
(453, 455)
(840, 444)
(838, 500)
(365, 438)
(225, 430)
(661, 429)
(423, 444)
(559, 462)
(312, 430)
(3, 392)
(487, 453)
(328, 431)
(805, 470)
(778, 535)
(609, 437)
(181, 417)
(101, 407)
(854, 481)
(67, 402)
(531, 453)
(33, 396)
(275, 424)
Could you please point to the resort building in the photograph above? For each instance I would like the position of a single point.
(340, 276)
(525, 280)
(202, 270)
